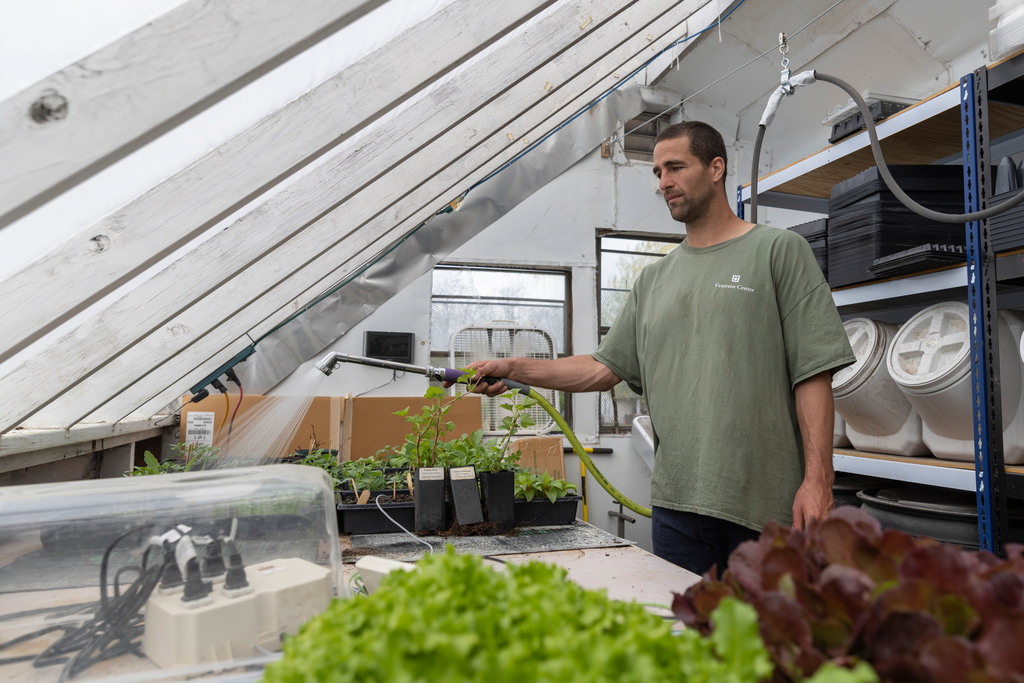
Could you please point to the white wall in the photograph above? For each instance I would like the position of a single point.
(407, 312)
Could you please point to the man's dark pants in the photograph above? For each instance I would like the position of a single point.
(696, 542)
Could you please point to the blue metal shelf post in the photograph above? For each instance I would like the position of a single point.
(984, 319)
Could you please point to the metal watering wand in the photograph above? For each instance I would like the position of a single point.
(329, 362)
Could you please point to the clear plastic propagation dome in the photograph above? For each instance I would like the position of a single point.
(162, 577)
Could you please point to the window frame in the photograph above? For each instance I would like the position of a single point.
(602, 329)
(565, 272)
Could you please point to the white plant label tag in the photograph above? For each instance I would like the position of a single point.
(199, 429)
(431, 474)
(458, 473)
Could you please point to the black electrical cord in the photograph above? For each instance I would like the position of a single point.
(394, 377)
(883, 170)
(195, 399)
(62, 610)
(112, 631)
(117, 576)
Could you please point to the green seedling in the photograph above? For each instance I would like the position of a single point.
(529, 485)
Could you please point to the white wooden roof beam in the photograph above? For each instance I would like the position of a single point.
(342, 259)
(92, 373)
(190, 202)
(133, 90)
(376, 203)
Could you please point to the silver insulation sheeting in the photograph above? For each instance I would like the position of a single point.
(281, 352)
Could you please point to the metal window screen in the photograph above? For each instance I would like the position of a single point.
(448, 314)
(490, 342)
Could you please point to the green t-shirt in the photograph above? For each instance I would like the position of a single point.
(716, 338)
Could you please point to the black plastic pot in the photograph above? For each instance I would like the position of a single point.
(498, 492)
(542, 512)
(368, 519)
(429, 496)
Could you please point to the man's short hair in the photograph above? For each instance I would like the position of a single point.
(706, 143)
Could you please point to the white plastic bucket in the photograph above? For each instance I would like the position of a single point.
(930, 361)
(839, 439)
(879, 418)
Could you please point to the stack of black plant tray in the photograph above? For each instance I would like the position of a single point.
(1007, 229)
(924, 257)
(866, 222)
(816, 234)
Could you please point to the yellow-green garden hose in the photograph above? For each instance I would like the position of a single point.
(577, 447)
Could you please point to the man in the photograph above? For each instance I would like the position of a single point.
(732, 337)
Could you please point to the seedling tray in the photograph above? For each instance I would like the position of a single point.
(368, 519)
(542, 512)
(346, 496)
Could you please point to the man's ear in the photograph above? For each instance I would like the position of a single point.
(718, 170)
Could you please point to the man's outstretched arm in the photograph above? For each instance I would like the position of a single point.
(574, 374)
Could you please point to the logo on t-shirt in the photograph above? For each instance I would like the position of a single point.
(735, 285)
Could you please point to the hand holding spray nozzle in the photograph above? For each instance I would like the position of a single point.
(331, 360)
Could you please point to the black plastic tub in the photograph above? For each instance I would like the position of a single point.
(542, 512)
(847, 486)
(368, 519)
(942, 514)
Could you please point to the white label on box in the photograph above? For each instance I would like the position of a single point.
(199, 429)
(431, 473)
(458, 473)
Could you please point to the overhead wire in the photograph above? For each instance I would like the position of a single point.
(731, 73)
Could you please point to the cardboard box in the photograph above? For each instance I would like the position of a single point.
(320, 425)
(541, 453)
(370, 423)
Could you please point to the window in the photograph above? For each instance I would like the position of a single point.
(621, 258)
(476, 295)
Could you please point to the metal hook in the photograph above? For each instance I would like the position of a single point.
(783, 46)
(784, 50)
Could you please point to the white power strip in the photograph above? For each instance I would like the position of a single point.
(372, 569)
(286, 593)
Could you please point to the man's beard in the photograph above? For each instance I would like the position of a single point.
(694, 208)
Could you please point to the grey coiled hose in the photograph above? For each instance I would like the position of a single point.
(809, 77)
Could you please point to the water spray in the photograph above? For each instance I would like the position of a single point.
(329, 362)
